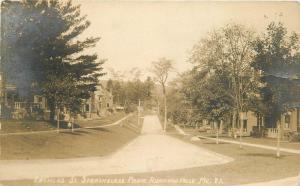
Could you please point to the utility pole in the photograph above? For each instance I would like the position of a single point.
(217, 126)
(0, 140)
(58, 112)
(242, 118)
(72, 125)
(139, 107)
(241, 133)
(158, 107)
(278, 139)
(165, 120)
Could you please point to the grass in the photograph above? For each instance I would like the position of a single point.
(102, 121)
(15, 126)
(81, 143)
(12, 126)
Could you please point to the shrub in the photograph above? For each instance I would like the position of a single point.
(294, 137)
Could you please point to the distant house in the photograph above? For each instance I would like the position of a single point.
(291, 120)
(251, 122)
(290, 123)
(14, 106)
(99, 104)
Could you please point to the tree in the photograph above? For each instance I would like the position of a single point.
(161, 70)
(229, 48)
(55, 63)
(210, 95)
(278, 58)
(178, 106)
(127, 93)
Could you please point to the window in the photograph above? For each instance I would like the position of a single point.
(107, 104)
(87, 107)
(245, 125)
(40, 99)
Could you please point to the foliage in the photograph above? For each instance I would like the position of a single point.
(128, 93)
(161, 71)
(178, 108)
(54, 63)
(211, 96)
(278, 57)
(223, 77)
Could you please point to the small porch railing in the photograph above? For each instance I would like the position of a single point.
(26, 105)
(272, 132)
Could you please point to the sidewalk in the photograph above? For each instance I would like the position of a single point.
(253, 145)
(245, 141)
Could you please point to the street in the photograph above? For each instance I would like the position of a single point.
(149, 152)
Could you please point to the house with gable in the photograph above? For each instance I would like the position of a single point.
(99, 104)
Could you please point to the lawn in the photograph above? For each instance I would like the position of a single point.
(15, 126)
(12, 126)
(80, 143)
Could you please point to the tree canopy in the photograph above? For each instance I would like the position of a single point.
(278, 58)
(41, 43)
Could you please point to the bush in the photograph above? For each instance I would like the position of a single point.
(110, 110)
(258, 133)
(294, 137)
(130, 108)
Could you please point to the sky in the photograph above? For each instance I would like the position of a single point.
(134, 34)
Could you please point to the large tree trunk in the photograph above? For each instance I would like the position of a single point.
(234, 120)
(165, 104)
(165, 121)
(52, 110)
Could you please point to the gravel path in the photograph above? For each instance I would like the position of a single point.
(151, 151)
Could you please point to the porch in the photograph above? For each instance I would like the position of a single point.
(23, 110)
